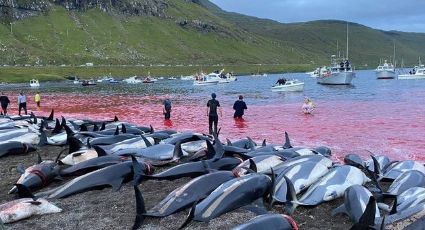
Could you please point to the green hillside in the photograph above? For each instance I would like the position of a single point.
(185, 33)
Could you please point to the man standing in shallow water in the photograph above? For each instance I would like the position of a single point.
(22, 103)
(212, 113)
(239, 107)
(4, 101)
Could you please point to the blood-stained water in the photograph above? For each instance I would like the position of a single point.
(373, 116)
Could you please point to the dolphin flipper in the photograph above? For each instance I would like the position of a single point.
(190, 216)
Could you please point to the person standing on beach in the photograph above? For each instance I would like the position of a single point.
(167, 109)
(22, 103)
(239, 106)
(212, 113)
(4, 101)
(37, 99)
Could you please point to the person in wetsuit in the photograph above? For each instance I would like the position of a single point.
(212, 107)
(167, 109)
(239, 106)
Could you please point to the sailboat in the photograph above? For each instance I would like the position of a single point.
(338, 73)
(418, 72)
(386, 70)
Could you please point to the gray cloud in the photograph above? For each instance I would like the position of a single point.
(402, 15)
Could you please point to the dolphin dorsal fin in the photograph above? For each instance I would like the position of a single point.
(229, 143)
(103, 127)
(117, 131)
(264, 143)
(287, 144)
(95, 128)
(116, 119)
(123, 128)
(52, 113)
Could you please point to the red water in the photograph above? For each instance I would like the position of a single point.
(395, 129)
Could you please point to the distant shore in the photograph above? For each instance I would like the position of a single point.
(20, 74)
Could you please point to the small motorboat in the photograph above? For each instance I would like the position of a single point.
(284, 85)
(88, 83)
(132, 80)
(149, 80)
(34, 83)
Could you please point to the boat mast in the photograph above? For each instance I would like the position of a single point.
(347, 42)
(337, 51)
(394, 55)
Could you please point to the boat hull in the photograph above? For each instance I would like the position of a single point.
(205, 82)
(385, 74)
(339, 78)
(411, 76)
(290, 88)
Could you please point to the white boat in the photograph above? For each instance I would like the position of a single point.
(105, 79)
(206, 80)
(34, 83)
(341, 74)
(292, 85)
(172, 78)
(418, 72)
(161, 78)
(132, 80)
(317, 72)
(385, 71)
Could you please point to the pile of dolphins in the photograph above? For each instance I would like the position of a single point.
(225, 176)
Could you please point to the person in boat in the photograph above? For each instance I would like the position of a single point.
(37, 99)
(212, 114)
(4, 101)
(22, 103)
(341, 65)
(308, 106)
(239, 106)
(281, 81)
(347, 65)
(167, 109)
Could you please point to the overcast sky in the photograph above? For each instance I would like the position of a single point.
(402, 15)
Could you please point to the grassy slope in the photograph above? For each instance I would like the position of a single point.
(74, 37)
(318, 39)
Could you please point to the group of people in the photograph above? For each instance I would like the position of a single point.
(345, 64)
(281, 81)
(213, 108)
(22, 102)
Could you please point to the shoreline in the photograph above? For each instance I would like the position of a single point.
(23, 74)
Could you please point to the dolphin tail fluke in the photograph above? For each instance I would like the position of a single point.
(367, 220)
(210, 150)
(291, 197)
(117, 131)
(147, 142)
(24, 192)
(52, 113)
(287, 144)
(140, 208)
(100, 151)
(58, 127)
(123, 128)
(376, 167)
(152, 130)
(189, 217)
(95, 128)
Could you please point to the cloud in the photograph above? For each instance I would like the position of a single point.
(406, 15)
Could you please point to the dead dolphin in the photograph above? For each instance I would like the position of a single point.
(356, 198)
(114, 176)
(231, 195)
(269, 221)
(329, 187)
(24, 208)
(184, 196)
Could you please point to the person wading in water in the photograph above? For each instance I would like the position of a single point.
(212, 113)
